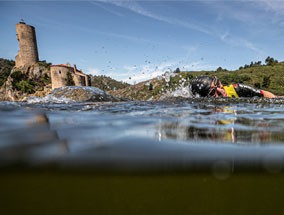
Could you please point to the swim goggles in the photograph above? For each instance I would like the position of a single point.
(213, 92)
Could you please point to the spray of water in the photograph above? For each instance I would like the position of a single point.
(181, 90)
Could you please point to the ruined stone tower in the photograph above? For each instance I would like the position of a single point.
(28, 53)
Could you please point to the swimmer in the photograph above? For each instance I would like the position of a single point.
(206, 86)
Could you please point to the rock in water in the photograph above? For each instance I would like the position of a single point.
(82, 94)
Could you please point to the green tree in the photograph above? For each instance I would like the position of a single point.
(219, 69)
(177, 70)
(69, 79)
(151, 87)
(270, 61)
(258, 63)
(266, 81)
(5, 69)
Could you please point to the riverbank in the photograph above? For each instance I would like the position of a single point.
(267, 77)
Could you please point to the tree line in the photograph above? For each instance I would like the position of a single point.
(269, 61)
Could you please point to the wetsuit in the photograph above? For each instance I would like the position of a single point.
(242, 90)
(206, 86)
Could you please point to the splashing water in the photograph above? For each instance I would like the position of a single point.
(181, 91)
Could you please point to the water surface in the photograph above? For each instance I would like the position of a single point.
(43, 132)
(178, 155)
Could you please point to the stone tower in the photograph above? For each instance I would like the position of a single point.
(28, 53)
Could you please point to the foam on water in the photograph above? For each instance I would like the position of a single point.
(48, 99)
(61, 99)
(48, 131)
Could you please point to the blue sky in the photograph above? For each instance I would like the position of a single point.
(134, 41)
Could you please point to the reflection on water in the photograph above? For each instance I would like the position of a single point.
(227, 124)
(43, 132)
(26, 136)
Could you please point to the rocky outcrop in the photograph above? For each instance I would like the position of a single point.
(83, 94)
(33, 84)
(26, 81)
(75, 94)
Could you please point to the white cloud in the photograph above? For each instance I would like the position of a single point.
(240, 42)
(274, 11)
(136, 74)
(98, 4)
(190, 49)
(276, 6)
(197, 66)
(223, 9)
(137, 8)
(244, 11)
(249, 12)
(94, 71)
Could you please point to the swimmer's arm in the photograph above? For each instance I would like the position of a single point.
(267, 94)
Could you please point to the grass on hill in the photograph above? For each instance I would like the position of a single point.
(267, 77)
(106, 83)
(264, 77)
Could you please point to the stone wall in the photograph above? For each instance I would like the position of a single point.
(59, 76)
(28, 55)
(28, 52)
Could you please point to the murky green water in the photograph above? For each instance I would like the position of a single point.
(142, 157)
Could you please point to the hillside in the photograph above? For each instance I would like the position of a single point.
(16, 84)
(268, 77)
(26, 81)
(5, 69)
(107, 83)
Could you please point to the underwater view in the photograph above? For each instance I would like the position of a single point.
(168, 151)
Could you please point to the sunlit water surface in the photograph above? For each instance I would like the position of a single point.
(45, 131)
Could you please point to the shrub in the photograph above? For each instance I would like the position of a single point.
(45, 79)
(266, 81)
(25, 86)
(235, 78)
(17, 76)
(69, 79)
(5, 69)
(257, 85)
(44, 64)
(270, 61)
(21, 83)
(177, 70)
